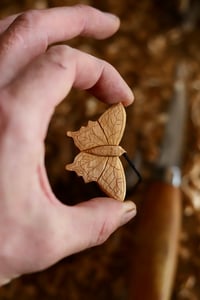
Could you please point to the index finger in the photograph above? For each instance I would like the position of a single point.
(32, 32)
(34, 95)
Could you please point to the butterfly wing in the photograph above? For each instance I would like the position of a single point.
(112, 180)
(89, 166)
(113, 123)
(106, 170)
(108, 130)
(89, 136)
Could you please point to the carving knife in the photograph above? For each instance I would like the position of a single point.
(158, 222)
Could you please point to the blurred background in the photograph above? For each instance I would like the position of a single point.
(153, 38)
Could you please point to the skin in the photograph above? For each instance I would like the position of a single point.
(36, 229)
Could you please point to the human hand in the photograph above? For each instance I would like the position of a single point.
(36, 229)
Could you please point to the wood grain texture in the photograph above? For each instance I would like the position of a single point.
(155, 248)
(99, 157)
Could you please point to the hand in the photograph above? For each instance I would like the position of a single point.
(36, 230)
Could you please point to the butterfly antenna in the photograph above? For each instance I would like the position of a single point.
(134, 169)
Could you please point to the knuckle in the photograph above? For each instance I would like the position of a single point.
(28, 19)
(103, 233)
(83, 7)
(86, 13)
(58, 54)
(59, 50)
(87, 9)
(23, 27)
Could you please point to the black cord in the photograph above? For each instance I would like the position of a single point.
(134, 169)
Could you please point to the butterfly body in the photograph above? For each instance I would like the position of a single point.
(99, 157)
(106, 150)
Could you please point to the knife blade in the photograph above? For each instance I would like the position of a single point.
(173, 142)
(158, 222)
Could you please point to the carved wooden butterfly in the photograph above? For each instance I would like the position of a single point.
(99, 157)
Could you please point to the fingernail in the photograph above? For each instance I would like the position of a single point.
(114, 17)
(129, 212)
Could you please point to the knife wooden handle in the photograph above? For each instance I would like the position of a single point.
(156, 237)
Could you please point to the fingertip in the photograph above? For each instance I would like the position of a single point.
(104, 23)
(129, 212)
(116, 213)
(93, 221)
(129, 99)
(129, 205)
(111, 87)
(114, 18)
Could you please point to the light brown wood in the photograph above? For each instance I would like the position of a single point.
(156, 236)
(99, 157)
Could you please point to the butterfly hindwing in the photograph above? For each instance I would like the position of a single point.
(89, 166)
(112, 181)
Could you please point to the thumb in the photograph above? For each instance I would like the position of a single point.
(91, 223)
(70, 229)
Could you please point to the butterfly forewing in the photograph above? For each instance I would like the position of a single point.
(89, 136)
(113, 123)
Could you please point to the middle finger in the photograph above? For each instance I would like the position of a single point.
(32, 32)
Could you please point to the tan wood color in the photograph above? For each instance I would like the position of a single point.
(98, 159)
(155, 247)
